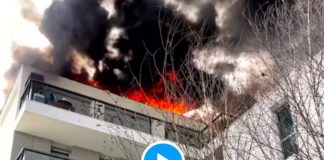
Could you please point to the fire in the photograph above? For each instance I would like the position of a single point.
(168, 104)
(156, 96)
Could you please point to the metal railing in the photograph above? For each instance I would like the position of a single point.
(29, 154)
(75, 102)
(81, 104)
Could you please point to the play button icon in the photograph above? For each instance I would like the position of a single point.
(162, 150)
(160, 157)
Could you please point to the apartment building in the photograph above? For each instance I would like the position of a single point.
(50, 117)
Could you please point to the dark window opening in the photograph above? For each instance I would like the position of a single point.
(287, 131)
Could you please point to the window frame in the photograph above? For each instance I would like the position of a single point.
(289, 136)
(60, 152)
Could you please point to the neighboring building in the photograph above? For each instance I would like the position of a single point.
(47, 116)
(288, 123)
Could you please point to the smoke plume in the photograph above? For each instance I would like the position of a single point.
(128, 44)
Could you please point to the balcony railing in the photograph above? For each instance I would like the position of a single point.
(74, 102)
(29, 154)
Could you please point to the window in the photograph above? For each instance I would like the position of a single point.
(60, 152)
(184, 135)
(287, 131)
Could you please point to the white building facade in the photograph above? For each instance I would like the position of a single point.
(288, 123)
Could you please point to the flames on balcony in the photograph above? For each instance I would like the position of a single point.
(157, 96)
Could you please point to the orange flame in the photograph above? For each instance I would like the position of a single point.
(156, 96)
(178, 107)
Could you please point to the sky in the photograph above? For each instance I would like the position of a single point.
(8, 13)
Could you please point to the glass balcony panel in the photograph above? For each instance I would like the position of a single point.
(61, 99)
(67, 100)
(184, 135)
(91, 107)
(128, 119)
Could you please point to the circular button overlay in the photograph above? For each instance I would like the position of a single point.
(162, 150)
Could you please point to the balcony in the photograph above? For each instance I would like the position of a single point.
(58, 114)
(77, 103)
(72, 119)
(28, 154)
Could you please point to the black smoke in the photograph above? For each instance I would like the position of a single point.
(154, 38)
(84, 25)
(74, 24)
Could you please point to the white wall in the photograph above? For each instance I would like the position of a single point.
(7, 119)
(309, 109)
(255, 134)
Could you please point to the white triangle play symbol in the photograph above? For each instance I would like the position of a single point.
(160, 157)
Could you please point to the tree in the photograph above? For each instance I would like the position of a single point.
(279, 117)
